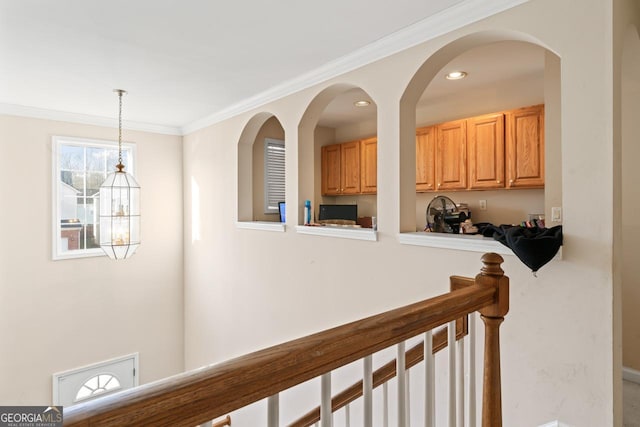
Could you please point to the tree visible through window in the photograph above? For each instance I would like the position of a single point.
(80, 168)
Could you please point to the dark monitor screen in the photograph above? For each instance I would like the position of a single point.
(349, 212)
(281, 209)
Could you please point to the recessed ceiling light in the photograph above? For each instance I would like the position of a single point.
(456, 75)
(363, 103)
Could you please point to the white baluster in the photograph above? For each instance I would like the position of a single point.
(402, 388)
(385, 404)
(367, 391)
(451, 347)
(471, 389)
(460, 376)
(273, 410)
(429, 382)
(326, 414)
(407, 407)
(347, 416)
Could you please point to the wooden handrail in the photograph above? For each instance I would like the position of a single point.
(226, 421)
(386, 372)
(413, 356)
(207, 393)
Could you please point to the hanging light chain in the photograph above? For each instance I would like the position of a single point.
(120, 92)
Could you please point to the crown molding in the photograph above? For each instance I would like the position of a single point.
(458, 16)
(86, 119)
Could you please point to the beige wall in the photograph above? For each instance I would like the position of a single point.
(558, 341)
(60, 315)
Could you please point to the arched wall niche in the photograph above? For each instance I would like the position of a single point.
(250, 165)
(313, 134)
(630, 195)
(428, 71)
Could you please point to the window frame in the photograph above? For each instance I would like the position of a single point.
(269, 142)
(56, 205)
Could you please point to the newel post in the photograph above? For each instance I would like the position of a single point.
(491, 275)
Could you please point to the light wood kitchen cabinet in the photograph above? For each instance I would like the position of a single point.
(331, 170)
(451, 156)
(341, 169)
(350, 167)
(525, 147)
(369, 165)
(425, 158)
(485, 139)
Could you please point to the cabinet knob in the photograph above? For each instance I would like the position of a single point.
(498, 181)
(428, 184)
(510, 181)
(439, 184)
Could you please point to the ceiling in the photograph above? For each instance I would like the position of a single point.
(184, 61)
(486, 66)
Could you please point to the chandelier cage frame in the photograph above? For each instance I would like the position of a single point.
(119, 206)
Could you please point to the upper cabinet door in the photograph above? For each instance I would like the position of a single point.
(425, 158)
(525, 147)
(485, 136)
(350, 167)
(331, 170)
(451, 156)
(369, 165)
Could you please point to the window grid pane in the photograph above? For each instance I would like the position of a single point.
(83, 167)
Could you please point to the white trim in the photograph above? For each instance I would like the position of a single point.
(555, 423)
(630, 375)
(86, 119)
(56, 376)
(56, 250)
(452, 18)
(461, 242)
(261, 225)
(340, 232)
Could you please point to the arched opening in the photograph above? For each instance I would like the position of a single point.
(630, 133)
(260, 137)
(337, 156)
(466, 136)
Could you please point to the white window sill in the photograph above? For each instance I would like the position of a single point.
(261, 225)
(461, 242)
(339, 232)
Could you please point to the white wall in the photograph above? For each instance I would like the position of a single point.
(59, 315)
(557, 342)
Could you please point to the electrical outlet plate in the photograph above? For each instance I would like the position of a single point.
(483, 205)
(556, 214)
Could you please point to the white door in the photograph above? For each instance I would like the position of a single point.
(90, 382)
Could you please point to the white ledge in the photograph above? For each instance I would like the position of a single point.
(261, 225)
(340, 232)
(462, 242)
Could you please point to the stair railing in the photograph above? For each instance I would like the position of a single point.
(197, 396)
(388, 371)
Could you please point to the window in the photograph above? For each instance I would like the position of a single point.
(79, 167)
(273, 175)
(99, 379)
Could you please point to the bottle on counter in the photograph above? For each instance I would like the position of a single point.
(307, 212)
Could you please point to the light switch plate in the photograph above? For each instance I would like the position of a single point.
(483, 205)
(556, 214)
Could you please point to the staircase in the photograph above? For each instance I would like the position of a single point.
(198, 396)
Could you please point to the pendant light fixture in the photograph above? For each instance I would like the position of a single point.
(119, 206)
